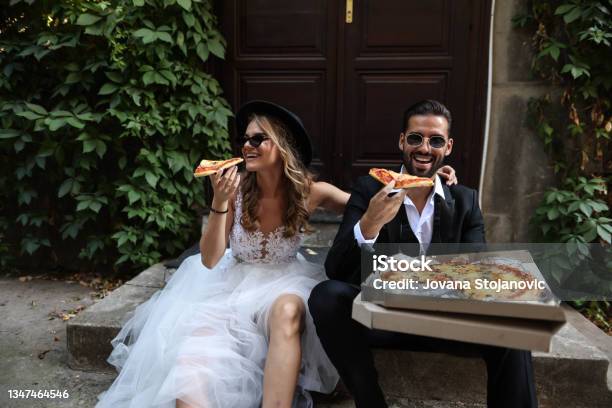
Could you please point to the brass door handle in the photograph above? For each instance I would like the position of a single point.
(349, 12)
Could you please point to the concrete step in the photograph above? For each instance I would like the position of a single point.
(575, 373)
(322, 237)
(326, 226)
(403, 403)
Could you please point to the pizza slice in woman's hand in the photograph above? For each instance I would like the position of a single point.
(401, 180)
(208, 167)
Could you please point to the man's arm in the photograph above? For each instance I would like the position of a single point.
(344, 258)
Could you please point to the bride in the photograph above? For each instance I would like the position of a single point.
(231, 327)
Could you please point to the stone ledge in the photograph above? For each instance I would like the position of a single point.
(573, 374)
(402, 403)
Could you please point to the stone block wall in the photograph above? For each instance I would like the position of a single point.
(516, 167)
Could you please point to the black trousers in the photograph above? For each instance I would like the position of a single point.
(348, 344)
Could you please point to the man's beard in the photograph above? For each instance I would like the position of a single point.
(435, 166)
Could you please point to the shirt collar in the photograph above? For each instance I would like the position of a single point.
(438, 189)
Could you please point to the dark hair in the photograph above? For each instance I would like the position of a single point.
(426, 107)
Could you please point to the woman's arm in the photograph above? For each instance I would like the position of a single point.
(331, 198)
(214, 240)
(327, 196)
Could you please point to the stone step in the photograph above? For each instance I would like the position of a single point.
(323, 236)
(403, 403)
(575, 373)
(89, 334)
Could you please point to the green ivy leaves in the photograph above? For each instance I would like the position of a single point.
(104, 135)
(149, 36)
(570, 12)
(571, 40)
(575, 213)
(86, 19)
(186, 4)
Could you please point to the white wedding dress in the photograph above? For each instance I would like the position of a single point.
(204, 337)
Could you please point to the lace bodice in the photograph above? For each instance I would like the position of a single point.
(259, 247)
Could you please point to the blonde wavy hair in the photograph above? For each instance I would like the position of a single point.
(297, 181)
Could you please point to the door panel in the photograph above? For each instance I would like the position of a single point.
(278, 86)
(281, 28)
(387, 28)
(380, 115)
(285, 52)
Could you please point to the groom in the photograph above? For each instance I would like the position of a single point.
(438, 214)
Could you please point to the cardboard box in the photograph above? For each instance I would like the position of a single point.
(519, 310)
(548, 308)
(496, 331)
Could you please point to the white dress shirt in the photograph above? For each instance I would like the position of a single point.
(421, 224)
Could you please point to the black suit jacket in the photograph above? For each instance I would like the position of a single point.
(457, 219)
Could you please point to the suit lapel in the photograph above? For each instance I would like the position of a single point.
(395, 225)
(443, 215)
(399, 228)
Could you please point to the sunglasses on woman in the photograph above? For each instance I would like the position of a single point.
(416, 139)
(256, 140)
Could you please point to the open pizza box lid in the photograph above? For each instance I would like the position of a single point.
(548, 307)
(496, 331)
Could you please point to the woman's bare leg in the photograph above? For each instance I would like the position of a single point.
(286, 323)
(182, 404)
(185, 362)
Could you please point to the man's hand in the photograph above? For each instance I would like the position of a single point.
(381, 210)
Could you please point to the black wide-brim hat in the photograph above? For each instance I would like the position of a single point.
(290, 119)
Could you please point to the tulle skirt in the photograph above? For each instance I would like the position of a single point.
(204, 338)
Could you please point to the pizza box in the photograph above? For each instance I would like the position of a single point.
(548, 307)
(521, 310)
(508, 332)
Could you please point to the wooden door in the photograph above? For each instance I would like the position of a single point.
(351, 82)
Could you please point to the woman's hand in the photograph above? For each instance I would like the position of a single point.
(447, 173)
(225, 184)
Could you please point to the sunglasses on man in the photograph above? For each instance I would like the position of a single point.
(416, 140)
(256, 140)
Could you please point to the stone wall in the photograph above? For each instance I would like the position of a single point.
(516, 166)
